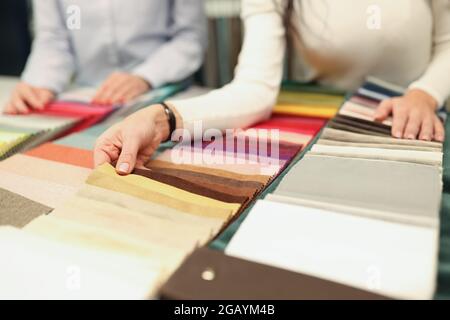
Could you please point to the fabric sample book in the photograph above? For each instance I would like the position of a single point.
(386, 258)
(375, 188)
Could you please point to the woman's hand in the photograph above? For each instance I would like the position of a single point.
(132, 142)
(414, 116)
(26, 98)
(120, 87)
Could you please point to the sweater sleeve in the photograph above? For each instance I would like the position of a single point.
(249, 98)
(436, 80)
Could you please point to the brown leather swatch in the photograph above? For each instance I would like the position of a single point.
(211, 275)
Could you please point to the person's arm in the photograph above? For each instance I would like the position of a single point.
(51, 63)
(183, 54)
(248, 99)
(436, 79)
(414, 114)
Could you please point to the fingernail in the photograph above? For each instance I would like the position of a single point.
(426, 138)
(411, 137)
(124, 167)
(398, 134)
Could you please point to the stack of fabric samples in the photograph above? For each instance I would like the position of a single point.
(298, 99)
(57, 119)
(360, 208)
(138, 227)
(46, 176)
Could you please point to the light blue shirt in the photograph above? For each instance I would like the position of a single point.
(162, 41)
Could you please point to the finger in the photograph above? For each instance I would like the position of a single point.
(413, 126)
(384, 110)
(119, 95)
(8, 108)
(19, 105)
(439, 131)
(99, 96)
(128, 155)
(28, 95)
(400, 116)
(105, 152)
(110, 88)
(101, 156)
(45, 96)
(427, 129)
(131, 95)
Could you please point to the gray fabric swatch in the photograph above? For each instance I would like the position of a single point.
(18, 211)
(381, 186)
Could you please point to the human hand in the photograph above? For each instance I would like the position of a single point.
(26, 98)
(120, 87)
(414, 116)
(132, 142)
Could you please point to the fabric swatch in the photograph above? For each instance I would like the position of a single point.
(18, 211)
(50, 171)
(35, 268)
(191, 186)
(327, 142)
(149, 208)
(370, 186)
(263, 179)
(340, 135)
(44, 192)
(411, 156)
(68, 155)
(146, 189)
(396, 253)
(237, 279)
(132, 224)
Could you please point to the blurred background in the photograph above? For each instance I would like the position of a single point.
(224, 26)
(225, 38)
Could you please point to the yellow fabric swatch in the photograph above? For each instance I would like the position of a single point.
(305, 110)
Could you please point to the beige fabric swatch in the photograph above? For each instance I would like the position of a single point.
(411, 156)
(133, 224)
(375, 145)
(97, 238)
(35, 268)
(340, 135)
(149, 208)
(46, 170)
(47, 193)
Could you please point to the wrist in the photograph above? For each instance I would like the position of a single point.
(423, 96)
(162, 121)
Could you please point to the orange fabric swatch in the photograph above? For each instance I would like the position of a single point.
(64, 154)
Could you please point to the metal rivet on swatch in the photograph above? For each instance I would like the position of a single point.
(208, 274)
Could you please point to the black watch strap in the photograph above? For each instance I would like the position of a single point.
(171, 119)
